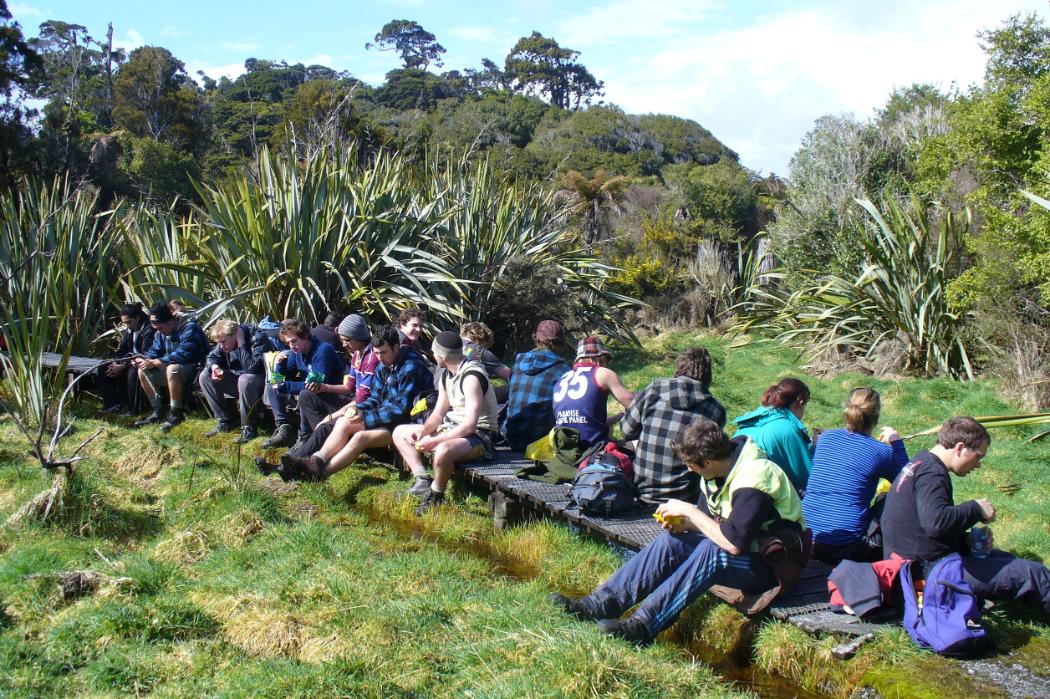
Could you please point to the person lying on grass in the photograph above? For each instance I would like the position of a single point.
(233, 367)
(847, 466)
(179, 348)
(921, 522)
(581, 396)
(462, 426)
(402, 375)
(711, 543)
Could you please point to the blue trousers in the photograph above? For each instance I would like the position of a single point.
(670, 573)
(279, 403)
(1004, 576)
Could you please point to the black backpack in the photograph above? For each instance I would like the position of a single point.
(601, 488)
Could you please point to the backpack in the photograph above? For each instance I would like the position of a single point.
(601, 487)
(948, 620)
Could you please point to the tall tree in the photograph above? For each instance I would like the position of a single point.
(418, 47)
(18, 62)
(538, 65)
(594, 200)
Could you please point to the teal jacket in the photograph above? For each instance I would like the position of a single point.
(784, 439)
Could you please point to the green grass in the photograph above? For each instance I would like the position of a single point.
(232, 587)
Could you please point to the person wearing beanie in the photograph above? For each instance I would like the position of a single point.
(462, 426)
(179, 348)
(581, 396)
(530, 404)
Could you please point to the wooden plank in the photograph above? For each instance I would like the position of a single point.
(76, 365)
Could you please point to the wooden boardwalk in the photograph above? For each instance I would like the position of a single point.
(806, 606)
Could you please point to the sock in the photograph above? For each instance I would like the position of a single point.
(176, 405)
(320, 458)
(435, 489)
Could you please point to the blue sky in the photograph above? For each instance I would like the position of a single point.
(757, 74)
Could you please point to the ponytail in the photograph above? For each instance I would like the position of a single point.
(785, 393)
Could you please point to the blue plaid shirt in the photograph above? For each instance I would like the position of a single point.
(530, 407)
(394, 388)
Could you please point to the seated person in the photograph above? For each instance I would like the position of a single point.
(326, 331)
(461, 427)
(921, 522)
(402, 375)
(315, 404)
(847, 466)
(307, 356)
(713, 542)
(657, 414)
(233, 368)
(582, 395)
(177, 306)
(530, 404)
(179, 347)
(778, 430)
(477, 339)
(118, 382)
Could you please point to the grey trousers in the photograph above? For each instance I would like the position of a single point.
(247, 387)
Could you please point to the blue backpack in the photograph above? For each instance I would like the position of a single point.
(602, 488)
(948, 621)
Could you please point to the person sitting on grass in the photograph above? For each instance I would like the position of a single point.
(477, 339)
(530, 405)
(847, 466)
(179, 347)
(315, 404)
(920, 521)
(118, 382)
(710, 543)
(582, 395)
(402, 375)
(777, 428)
(461, 427)
(233, 368)
(659, 412)
(315, 361)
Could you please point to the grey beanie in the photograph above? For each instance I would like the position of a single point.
(354, 327)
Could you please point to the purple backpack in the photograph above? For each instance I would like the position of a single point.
(949, 620)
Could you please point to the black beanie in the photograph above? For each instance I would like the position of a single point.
(448, 344)
(160, 313)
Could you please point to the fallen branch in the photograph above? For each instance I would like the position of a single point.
(76, 583)
(41, 506)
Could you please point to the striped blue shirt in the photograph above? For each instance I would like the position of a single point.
(847, 467)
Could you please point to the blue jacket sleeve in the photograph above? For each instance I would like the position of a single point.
(156, 351)
(397, 403)
(191, 347)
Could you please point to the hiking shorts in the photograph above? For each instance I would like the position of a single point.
(158, 378)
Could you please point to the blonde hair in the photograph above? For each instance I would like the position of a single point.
(223, 328)
(862, 410)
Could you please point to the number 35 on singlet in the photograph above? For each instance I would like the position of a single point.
(573, 384)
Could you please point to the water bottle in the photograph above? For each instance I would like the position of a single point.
(980, 545)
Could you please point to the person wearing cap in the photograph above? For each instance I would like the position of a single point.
(401, 377)
(318, 401)
(530, 405)
(461, 427)
(581, 395)
(179, 348)
(233, 368)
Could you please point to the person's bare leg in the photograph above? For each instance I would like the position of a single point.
(446, 456)
(365, 439)
(174, 374)
(407, 449)
(341, 434)
(147, 385)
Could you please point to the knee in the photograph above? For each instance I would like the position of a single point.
(173, 371)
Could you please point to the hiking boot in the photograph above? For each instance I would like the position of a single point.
(176, 418)
(283, 436)
(300, 441)
(264, 466)
(421, 487)
(431, 500)
(629, 629)
(307, 467)
(248, 433)
(154, 418)
(577, 607)
(219, 428)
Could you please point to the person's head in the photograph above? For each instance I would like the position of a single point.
(961, 444)
(593, 349)
(161, 318)
(224, 333)
(447, 349)
(476, 332)
(862, 410)
(132, 316)
(694, 363)
(790, 394)
(704, 448)
(295, 334)
(387, 344)
(353, 332)
(176, 306)
(410, 322)
(332, 320)
(549, 334)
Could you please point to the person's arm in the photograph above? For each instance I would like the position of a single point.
(610, 381)
(214, 358)
(695, 519)
(191, 348)
(503, 372)
(397, 401)
(474, 400)
(631, 424)
(938, 516)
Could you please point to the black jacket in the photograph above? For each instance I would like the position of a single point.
(241, 360)
(130, 343)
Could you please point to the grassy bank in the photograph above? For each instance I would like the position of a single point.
(220, 583)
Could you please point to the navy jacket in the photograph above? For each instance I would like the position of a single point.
(186, 344)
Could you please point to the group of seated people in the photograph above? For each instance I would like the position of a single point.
(716, 496)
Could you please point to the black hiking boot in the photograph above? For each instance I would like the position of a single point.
(283, 436)
(300, 441)
(421, 487)
(219, 428)
(431, 500)
(629, 629)
(154, 418)
(264, 466)
(248, 433)
(175, 418)
(576, 607)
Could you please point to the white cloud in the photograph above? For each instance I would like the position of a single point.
(227, 70)
(21, 12)
(246, 46)
(171, 31)
(130, 41)
(628, 19)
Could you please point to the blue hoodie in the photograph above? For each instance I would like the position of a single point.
(185, 345)
(784, 439)
(322, 358)
(530, 407)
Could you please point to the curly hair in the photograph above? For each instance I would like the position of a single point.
(410, 313)
(223, 328)
(701, 440)
(293, 327)
(478, 332)
(387, 336)
(694, 363)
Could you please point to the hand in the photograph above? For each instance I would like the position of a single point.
(676, 514)
(987, 511)
(216, 372)
(114, 370)
(889, 435)
(316, 387)
(282, 356)
(429, 444)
